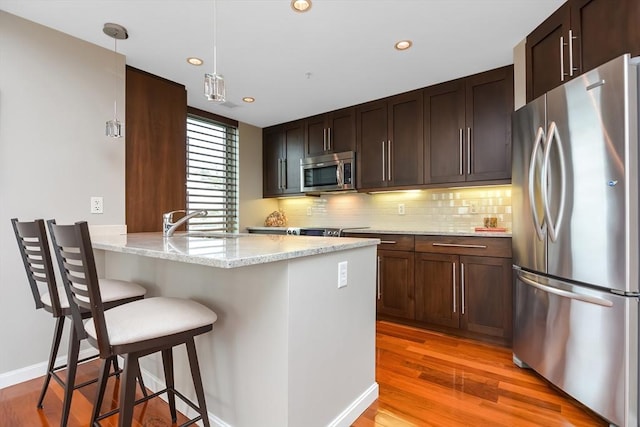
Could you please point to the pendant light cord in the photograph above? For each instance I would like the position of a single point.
(115, 78)
(215, 31)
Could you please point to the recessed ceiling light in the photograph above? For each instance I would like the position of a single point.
(249, 99)
(194, 61)
(403, 45)
(301, 5)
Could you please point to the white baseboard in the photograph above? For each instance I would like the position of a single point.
(356, 408)
(27, 373)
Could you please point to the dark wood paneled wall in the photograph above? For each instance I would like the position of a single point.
(155, 129)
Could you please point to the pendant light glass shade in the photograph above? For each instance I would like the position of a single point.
(114, 129)
(214, 87)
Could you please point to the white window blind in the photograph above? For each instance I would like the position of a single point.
(212, 174)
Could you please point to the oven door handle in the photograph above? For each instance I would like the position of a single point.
(340, 174)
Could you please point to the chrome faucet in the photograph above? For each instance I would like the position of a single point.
(169, 227)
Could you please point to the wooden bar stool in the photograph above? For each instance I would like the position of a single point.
(34, 250)
(160, 324)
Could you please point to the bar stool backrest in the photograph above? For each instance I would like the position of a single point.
(34, 250)
(74, 252)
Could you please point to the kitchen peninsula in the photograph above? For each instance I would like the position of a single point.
(290, 347)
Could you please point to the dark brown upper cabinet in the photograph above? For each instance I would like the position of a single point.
(332, 132)
(579, 36)
(282, 149)
(467, 128)
(389, 142)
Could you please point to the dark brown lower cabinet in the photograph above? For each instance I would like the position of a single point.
(486, 291)
(453, 284)
(464, 285)
(437, 296)
(395, 283)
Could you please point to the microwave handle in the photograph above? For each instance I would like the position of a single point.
(340, 174)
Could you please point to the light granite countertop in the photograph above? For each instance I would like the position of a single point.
(225, 250)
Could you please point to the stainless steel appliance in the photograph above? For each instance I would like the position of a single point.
(329, 172)
(320, 231)
(303, 231)
(575, 238)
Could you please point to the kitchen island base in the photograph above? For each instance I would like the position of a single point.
(289, 348)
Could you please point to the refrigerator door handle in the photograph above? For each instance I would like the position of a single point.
(540, 231)
(553, 225)
(566, 294)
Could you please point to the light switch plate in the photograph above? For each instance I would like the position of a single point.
(342, 274)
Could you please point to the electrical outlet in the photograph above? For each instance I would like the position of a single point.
(473, 207)
(342, 274)
(400, 208)
(309, 211)
(97, 206)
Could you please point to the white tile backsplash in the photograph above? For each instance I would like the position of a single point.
(445, 209)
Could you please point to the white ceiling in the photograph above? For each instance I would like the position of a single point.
(265, 50)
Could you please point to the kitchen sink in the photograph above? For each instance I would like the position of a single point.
(214, 235)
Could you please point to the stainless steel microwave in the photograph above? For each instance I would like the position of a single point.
(329, 172)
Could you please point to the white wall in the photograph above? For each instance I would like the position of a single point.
(56, 93)
(519, 74)
(253, 208)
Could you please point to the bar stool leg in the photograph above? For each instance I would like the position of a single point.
(197, 380)
(72, 366)
(128, 389)
(167, 363)
(103, 376)
(55, 345)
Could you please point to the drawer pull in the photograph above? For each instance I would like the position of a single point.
(462, 291)
(457, 245)
(453, 285)
(388, 242)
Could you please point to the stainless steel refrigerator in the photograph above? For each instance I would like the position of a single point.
(575, 238)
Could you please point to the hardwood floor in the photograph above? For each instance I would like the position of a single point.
(431, 379)
(425, 378)
(18, 404)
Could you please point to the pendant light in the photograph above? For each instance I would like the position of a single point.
(214, 82)
(113, 127)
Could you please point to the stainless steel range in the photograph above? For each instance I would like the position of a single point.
(320, 231)
(304, 231)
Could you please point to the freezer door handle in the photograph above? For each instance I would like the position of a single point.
(553, 225)
(539, 225)
(566, 294)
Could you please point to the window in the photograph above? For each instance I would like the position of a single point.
(212, 173)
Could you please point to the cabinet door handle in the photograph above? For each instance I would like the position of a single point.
(571, 69)
(462, 285)
(453, 286)
(389, 160)
(378, 272)
(324, 139)
(285, 184)
(468, 151)
(561, 58)
(279, 174)
(388, 242)
(458, 245)
(329, 139)
(383, 162)
(460, 140)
